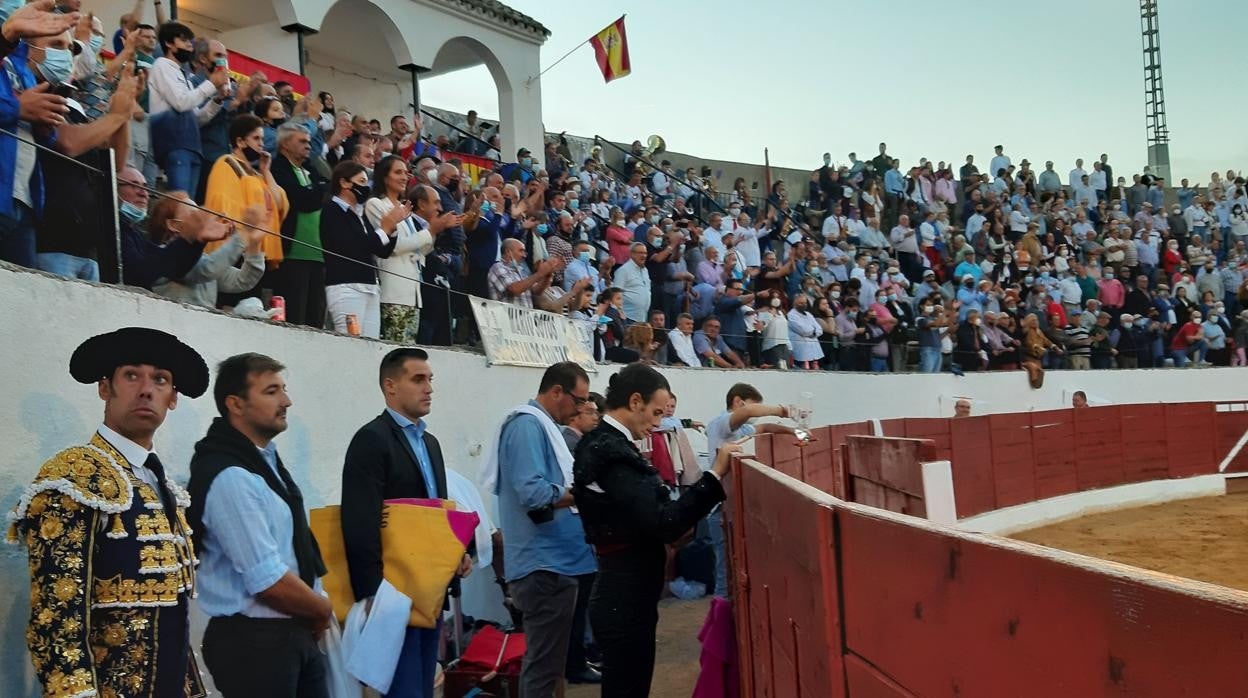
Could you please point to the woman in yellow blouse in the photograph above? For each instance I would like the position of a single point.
(241, 179)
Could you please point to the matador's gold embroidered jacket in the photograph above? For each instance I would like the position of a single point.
(111, 575)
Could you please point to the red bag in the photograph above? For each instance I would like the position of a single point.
(493, 650)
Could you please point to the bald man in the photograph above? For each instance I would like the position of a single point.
(962, 408)
(510, 280)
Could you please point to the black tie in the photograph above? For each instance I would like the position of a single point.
(158, 469)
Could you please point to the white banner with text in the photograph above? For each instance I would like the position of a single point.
(521, 336)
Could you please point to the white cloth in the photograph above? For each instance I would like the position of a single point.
(804, 332)
(372, 642)
(467, 497)
(169, 88)
(489, 471)
(361, 300)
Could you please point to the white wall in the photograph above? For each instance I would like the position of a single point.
(333, 384)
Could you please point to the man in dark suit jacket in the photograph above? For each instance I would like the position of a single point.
(393, 457)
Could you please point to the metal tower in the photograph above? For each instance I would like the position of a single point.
(1154, 96)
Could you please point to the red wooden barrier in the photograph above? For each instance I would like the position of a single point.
(788, 591)
(1231, 426)
(1053, 445)
(1014, 467)
(1144, 443)
(843, 600)
(1098, 447)
(1191, 439)
(886, 472)
(973, 477)
(934, 428)
(951, 614)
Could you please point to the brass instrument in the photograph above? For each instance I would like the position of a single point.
(654, 146)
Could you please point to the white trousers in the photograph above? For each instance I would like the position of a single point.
(361, 300)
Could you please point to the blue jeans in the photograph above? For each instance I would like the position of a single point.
(1199, 348)
(417, 660)
(715, 530)
(929, 359)
(182, 171)
(69, 266)
(879, 364)
(17, 236)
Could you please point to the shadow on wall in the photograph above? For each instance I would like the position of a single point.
(53, 424)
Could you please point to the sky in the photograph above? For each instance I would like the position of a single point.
(1055, 80)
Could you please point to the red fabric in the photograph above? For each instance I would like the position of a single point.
(719, 676)
(242, 66)
(661, 458)
(1186, 335)
(484, 649)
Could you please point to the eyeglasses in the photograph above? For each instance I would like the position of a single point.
(578, 401)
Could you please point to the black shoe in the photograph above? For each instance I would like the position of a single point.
(586, 675)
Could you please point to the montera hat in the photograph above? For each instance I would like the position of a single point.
(99, 357)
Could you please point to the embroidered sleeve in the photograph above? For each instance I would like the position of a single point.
(59, 534)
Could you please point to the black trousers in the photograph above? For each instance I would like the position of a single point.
(264, 658)
(576, 643)
(624, 612)
(302, 283)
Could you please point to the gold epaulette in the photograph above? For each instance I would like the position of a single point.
(92, 475)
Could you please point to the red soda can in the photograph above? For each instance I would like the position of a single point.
(353, 325)
(278, 303)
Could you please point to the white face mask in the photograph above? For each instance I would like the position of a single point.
(775, 302)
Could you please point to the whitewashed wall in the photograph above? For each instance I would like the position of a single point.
(333, 382)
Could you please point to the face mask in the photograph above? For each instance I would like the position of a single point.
(881, 299)
(485, 208)
(542, 228)
(853, 313)
(654, 220)
(1011, 308)
(431, 174)
(735, 212)
(574, 204)
(827, 159)
(1044, 274)
(182, 55)
(927, 309)
(1142, 322)
(1006, 260)
(131, 213)
(835, 295)
(656, 242)
(892, 296)
(361, 192)
(585, 257)
(527, 162)
(1213, 318)
(775, 302)
(57, 65)
(976, 321)
(95, 44)
(453, 185)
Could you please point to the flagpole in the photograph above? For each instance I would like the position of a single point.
(569, 53)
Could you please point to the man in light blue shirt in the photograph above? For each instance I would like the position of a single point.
(582, 266)
(543, 539)
(260, 565)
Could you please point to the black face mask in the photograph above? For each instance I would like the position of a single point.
(182, 55)
(361, 192)
(453, 185)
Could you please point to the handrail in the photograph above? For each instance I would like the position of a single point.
(474, 137)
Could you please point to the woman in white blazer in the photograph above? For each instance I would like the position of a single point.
(400, 272)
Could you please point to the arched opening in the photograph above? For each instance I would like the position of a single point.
(356, 56)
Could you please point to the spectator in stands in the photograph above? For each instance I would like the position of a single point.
(143, 261)
(351, 283)
(1189, 343)
(711, 348)
(804, 333)
(680, 343)
(215, 271)
(633, 279)
(511, 281)
(1079, 399)
(272, 113)
(244, 178)
(300, 280)
(400, 270)
(178, 109)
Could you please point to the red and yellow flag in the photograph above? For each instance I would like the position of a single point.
(611, 50)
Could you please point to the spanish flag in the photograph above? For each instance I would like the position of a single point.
(611, 50)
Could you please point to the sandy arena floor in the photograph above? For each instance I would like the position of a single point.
(676, 667)
(1204, 539)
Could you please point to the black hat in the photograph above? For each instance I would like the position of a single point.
(100, 355)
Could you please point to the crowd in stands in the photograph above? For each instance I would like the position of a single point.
(872, 265)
